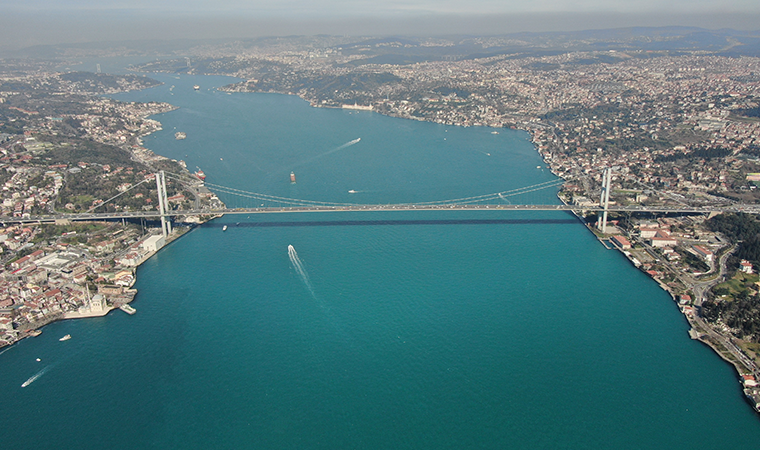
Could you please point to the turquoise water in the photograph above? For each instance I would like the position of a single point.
(524, 333)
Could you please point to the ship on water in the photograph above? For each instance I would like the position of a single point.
(196, 87)
(179, 135)
(65, 338)
(292, 177)
(199, 173)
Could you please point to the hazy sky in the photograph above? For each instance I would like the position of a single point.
(365, 7)
(30, 22)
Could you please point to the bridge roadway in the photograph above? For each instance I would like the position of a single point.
(753, 209)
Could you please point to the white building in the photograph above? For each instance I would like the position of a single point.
(98, 303)
(154, 243)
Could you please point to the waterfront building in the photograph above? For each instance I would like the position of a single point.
(621, 242)
(97, 303)
(154, 243)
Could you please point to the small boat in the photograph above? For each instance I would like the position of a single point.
(494, 132)
(196, 87)
(65, 338)
(30, 380)
(352, 191)
(179, 135)
(292, 177)
(224, 228)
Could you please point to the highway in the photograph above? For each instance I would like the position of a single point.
(48, 218)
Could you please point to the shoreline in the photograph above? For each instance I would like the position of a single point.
(710, 337)
(699, 329)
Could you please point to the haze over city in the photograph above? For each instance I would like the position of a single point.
(53, 21)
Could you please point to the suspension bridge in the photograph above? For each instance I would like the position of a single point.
(271, 204)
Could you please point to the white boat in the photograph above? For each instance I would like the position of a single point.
(31, 379)
(65, 338)
(224, 228)
(352, 191)
(196, 87)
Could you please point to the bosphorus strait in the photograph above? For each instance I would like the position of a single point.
(405, 330)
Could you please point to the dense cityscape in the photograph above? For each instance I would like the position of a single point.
(675, 128)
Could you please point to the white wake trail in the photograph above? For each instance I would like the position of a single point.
(298, 266)
(34, 377)
(346, 145)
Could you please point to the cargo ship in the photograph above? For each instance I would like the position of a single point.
(292, 177)
(199, 173)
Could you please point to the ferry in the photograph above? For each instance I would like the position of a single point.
(127, 309)
(292, 177)
(199, 173)
(30, 380)
(65, 338)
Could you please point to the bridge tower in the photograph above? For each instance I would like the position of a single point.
(604, 201)
(163, 203)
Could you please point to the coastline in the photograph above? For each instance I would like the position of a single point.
(707, 334)
(747, 371)
(699, 329)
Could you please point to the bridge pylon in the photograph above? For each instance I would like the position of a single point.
(163, 203)
(604, 201)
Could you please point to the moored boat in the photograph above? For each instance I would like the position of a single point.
(65, 338)
(199, 173)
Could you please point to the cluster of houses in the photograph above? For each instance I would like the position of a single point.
(69, 281)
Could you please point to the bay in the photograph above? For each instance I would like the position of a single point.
(522, 333)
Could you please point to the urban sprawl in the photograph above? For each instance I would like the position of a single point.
(673, 128)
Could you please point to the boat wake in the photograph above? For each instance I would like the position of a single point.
(34, 377)
(298, 266)
(336, 149)
(348, 144)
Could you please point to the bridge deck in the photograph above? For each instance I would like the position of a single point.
(370, 208)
